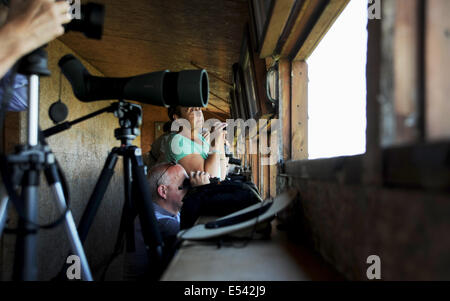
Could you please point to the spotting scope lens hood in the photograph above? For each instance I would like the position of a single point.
(188, 88)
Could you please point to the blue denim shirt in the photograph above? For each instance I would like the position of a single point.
(136, 264)
(18, 100)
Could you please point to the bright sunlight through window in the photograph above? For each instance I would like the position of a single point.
(337, 87)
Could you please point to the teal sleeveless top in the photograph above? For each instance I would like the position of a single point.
(179, 147)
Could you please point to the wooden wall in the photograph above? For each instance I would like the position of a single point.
(392, 201)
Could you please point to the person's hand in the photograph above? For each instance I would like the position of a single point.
(37, 22)
(199, 178)
(218, 136)
(206, 135)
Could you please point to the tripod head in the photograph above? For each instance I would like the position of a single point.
(130, 119)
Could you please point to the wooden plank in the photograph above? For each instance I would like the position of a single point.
(285, 107)
(422, 166)
(372, 159)
(266, 174)
(437, 70)
(278, 19)
(299, 111)
(347, 223)
(407, 67)
(260, 174)
(273, 180)
(277, 258)
(326, 20)
(343, 170)
(302, 19)
(385, 97)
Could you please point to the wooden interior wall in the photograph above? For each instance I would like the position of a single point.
(151, 114)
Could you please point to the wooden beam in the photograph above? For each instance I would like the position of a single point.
(385, 98)
(407, 72)
(329, 15)
(273, 180)
(303, 17)
(280, 14)
(422, 166)
(437, 70)
(342, 170)
(372, 159)
(299, 111)
(285, 107)
(265, 180)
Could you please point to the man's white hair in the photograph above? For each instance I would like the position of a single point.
(156, 178)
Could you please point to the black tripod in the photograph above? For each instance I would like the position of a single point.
(138, 199)
(24, 169)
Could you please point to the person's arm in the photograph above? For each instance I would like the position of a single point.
(224, 159)
(195, 162)
(213, 163)
(30, 25)
(223, 167)
(10, 51)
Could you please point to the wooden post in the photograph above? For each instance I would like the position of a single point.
(285, 107)
(407, 59)
(437, 70)
(372, 159)
(299, 110)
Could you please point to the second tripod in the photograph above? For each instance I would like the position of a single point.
(137, 196)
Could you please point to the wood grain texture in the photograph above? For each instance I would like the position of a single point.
(299, 24)
(407, 66)
(281, 11)
(437, 70)
(285, 107)
(299, 111)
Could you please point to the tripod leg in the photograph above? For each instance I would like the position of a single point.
(25, 263)
(126, 226)
(144, 206)
(4, 201)
(97, 195)
(95, 200)
(71, 229)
